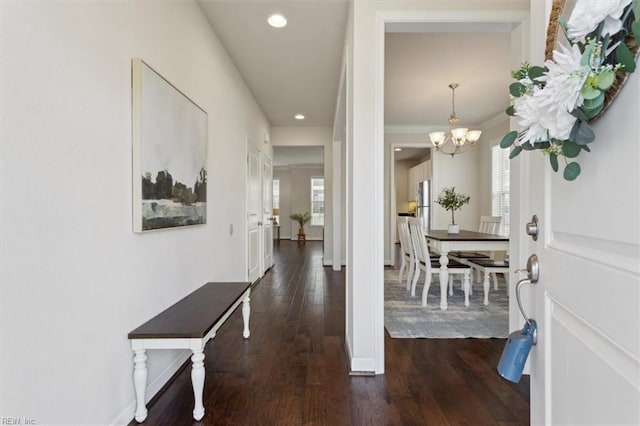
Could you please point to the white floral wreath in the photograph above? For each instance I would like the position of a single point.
(555, 103)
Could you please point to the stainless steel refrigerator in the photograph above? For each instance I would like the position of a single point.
(423, 197)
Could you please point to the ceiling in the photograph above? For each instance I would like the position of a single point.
(298, 156)
(414, 154)
(290, 70)
(296, 69)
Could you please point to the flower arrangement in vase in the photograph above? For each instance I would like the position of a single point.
(556, 103)
(453, 201)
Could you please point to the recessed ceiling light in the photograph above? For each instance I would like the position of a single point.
(397, 149)
(299, 117)
(277, 21)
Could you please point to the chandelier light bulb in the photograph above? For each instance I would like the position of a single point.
(473, 136)
(459, 136)
(437, 138)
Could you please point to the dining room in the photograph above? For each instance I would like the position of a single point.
(422, 160)
(448, 310)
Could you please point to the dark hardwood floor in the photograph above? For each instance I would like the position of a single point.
(293, 369)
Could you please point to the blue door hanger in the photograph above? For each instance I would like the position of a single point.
(516, 351)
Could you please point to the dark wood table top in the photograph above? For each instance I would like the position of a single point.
(194, 315)
(443, 235)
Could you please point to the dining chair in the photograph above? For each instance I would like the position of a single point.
(488, 225)
(431, 265)
(406, 248)
(491, 266)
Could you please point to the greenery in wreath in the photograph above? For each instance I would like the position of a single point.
(451, 200)
(555, 103)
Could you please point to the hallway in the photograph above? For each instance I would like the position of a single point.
(293, 369)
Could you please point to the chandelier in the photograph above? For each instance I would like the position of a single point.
(458, 136)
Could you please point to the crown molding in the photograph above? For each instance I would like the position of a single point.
(426, 129)
(495, 120)
(416, 130)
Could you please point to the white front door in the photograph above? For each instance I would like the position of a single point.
(254, 213)
(585, 368)
(267, 214)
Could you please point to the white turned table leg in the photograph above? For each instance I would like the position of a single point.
(140, 383)
(197, 380)
(486, 288)
(246, 313)
(467, 284)
(444, 280)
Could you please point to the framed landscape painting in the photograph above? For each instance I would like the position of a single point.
(169, 154)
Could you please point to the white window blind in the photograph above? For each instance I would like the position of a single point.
(317, 201)
(276, 193)
(500, 186)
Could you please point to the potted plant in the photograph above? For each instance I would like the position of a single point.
(302, 219)
(453, 201)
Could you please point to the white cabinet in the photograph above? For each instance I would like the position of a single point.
(427, 170)
(413, 182)
(417, 174)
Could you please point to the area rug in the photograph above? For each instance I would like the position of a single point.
(405, 317)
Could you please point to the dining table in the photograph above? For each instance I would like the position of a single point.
(440, 241)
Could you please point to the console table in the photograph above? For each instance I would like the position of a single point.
(187, 324)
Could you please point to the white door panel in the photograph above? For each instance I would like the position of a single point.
(584, 359)
(253, 213)
(586, 366)
(267, 214)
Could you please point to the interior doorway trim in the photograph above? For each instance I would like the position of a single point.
(383, 17)
(392, 191)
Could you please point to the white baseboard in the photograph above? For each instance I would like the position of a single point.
(125, 417)
(363, 366)
(359, 366)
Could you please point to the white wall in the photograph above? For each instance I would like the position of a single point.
(301, 136)
(75, 278)
(295, 197)
(461, 172)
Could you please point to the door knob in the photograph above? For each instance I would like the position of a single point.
(532, 269)
(259, 223)
(532, 228)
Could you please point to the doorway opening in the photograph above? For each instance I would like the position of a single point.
(416, 103)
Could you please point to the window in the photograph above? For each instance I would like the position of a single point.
(276, 201)
(276, 193)
(317, 201)
(500, 186)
